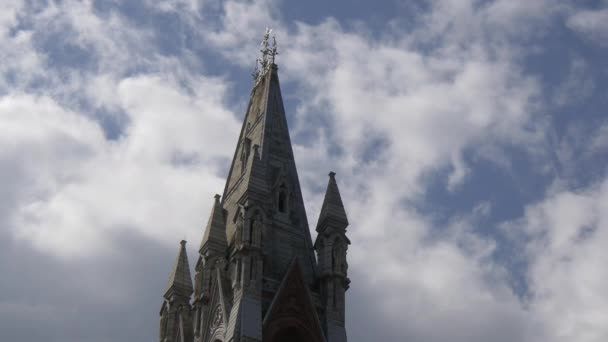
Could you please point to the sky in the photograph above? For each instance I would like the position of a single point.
(469, 139)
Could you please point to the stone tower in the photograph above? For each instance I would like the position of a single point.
(257, 276)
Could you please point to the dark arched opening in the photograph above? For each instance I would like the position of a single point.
(291, 334)
(282, 205)
(291, 329)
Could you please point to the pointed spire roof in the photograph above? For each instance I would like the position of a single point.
(214, 239)
(293, 295)
(180, 281)
(264, 162)
(264, 136)
(332, 210)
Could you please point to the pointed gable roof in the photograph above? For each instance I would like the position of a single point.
(332, 210)
(217, 319)
(180, 281)
(293, 305)
(265, 146)
(264, 152)
(214, 239)
(264, 136)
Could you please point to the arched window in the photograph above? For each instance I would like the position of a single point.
(209, 280)
(245, 153)
(163, 322)
(282, 200)
(292, 334)
(333, 259)
(197, 322)
(337, 256)
(322, 255)
(251, 228)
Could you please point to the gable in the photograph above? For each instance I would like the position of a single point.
(292, 310)
(216, 321)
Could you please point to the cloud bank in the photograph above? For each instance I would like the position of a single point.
(117, 122)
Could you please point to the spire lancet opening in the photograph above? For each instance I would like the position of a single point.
(265, 62)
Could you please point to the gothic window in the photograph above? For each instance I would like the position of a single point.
(198, 279)
(236, 271)
(335, 295)
(337, 257)
(250, 232)
(197, 323)
(240, 228)
(291, 334)
(282, 200)
(254, 229)
(252, 269)
(245, 153)
(163, 323)
(334, 255)
(209, 280)
(321, 255)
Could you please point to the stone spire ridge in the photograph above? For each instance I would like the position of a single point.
(332, 211)
(264, 132)
(263, 176)
(180, 281)
(214, 239)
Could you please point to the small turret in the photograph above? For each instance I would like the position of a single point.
(180, 281)
(175, 321)
(212, 251)
(214, 240)
(331, 246)
(212, 256)
(332, 212)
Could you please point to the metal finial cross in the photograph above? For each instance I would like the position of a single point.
(268, 54)
(265, 41)
(273, 50)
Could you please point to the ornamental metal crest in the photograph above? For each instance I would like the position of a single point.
(266, 60)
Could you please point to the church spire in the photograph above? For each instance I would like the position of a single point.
(214, 240)
(180, 282)
(263, 176)
(257, 270)
(332, 211)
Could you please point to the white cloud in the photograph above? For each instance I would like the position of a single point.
(237, 35)
(428, 109)
(567, 234)
(399, 108)
(577, 86)
(74, 189)
(599, 141)
(78, 187)
(593, 24)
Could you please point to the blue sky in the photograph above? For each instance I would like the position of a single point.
(469, 137)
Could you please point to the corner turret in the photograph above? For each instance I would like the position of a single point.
(332, 212)
(214, 240)
(211, 261)
(331, 246)
(175, 313)
(180, 281)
